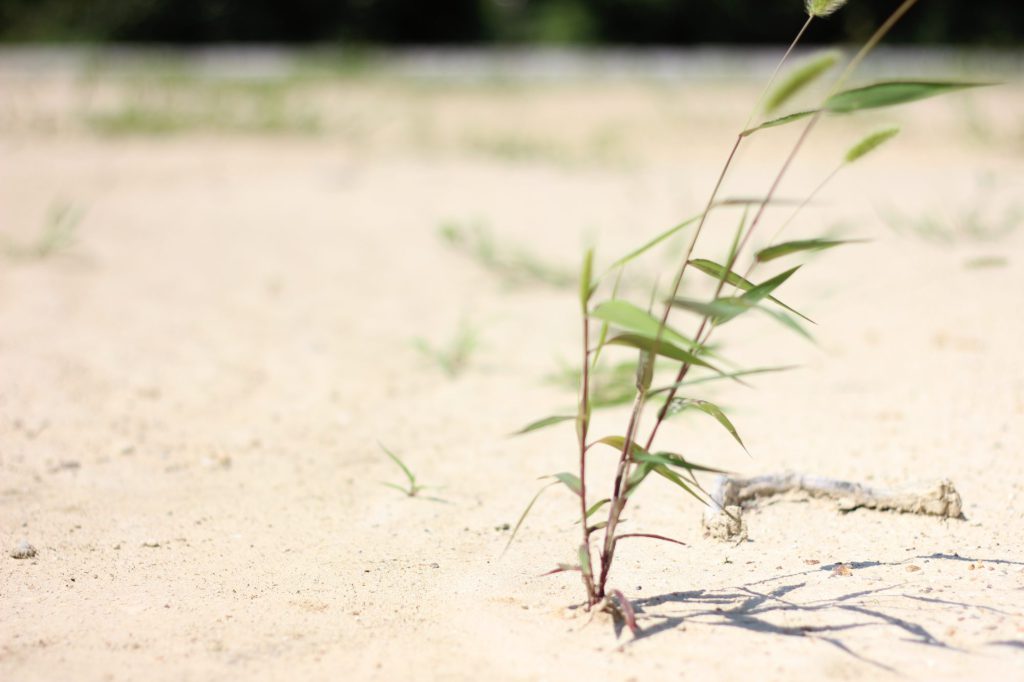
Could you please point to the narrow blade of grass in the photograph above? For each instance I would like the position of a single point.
(713, 410)
(719, 272)
(394, 458)
(891, 93)
(652, 536)
(526, 512)
(716, 377)
(544, 423)
(780, 121)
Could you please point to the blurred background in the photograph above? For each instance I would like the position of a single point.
(577, 22)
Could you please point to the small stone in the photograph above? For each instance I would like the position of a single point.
(811, 562)
(150, 543)
(23, 550)
(912, 568)
(435, 565)
(842, 569)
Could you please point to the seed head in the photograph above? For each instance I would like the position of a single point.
(822, 8)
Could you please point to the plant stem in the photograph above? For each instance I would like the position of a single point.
(854, 63)
(618, 502)
(582, 428)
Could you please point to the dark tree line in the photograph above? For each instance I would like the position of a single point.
(630, 22)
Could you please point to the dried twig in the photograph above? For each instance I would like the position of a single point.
(722, 520)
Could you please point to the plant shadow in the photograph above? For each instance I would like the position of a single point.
(757, 606)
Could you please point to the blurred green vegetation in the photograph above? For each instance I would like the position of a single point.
(636, 22)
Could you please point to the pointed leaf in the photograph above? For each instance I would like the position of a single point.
(664, 348)
(525, 513)
(629, 317)
(586, 286)
(755, 295)
(400, 463)
(584, 555)
(571, 481)
(670, 475)
(782, 120)
(542, 423)
(786, 248)
(596, 506)
(716, 377)
(713, 410)
(561, 568)
(890, 93)
(799, 78)
(718, 271)
(649, 535)
(719, 311)
(654, 242)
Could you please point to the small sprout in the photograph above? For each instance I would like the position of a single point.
(453, 358)
(56, 236)
(413, 488)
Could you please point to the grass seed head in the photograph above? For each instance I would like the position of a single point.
(822, 8)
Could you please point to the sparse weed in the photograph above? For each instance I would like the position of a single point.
(985, 219)
(616, 323)
(57, 234)
(513, 266)
(412, 489)
(454, 356)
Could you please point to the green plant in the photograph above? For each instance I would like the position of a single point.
(57, 234)
(619, 323)
(452, 357)
(512, 265)
(413, 489)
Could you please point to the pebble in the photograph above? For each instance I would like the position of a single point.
(23, 550)
(150, 543)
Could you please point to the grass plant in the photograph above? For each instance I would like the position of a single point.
(452, 357)
(649, 331)
(56, 236)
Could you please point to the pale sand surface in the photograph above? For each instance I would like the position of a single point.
(192, 393)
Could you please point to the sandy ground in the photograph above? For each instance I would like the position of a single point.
(192, 391)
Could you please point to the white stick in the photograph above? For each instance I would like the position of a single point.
(723, 521)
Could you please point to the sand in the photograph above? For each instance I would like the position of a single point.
(192, 392)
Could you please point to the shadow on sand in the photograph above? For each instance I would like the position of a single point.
(754, 606)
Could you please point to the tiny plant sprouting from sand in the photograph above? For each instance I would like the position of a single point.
(412, 488)
(512, 265)
(57, 234)
(452, 357)
(615, 324)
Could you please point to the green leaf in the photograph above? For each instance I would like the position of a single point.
(712, 410)
(585, 561)
(629, 317)
(716, 377)
(870, 143)
(765, 288)
(597, 506)
(526, 512)
(663, 348)
(719, 311)
(673, 460)
(718, 271)
(545, 422)
(891, 93)
(782, 120)
(586, 286)
(654, 242)
(400, 463)
(799, 78)
(571, 481)
(670, 475)
(786, 248)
